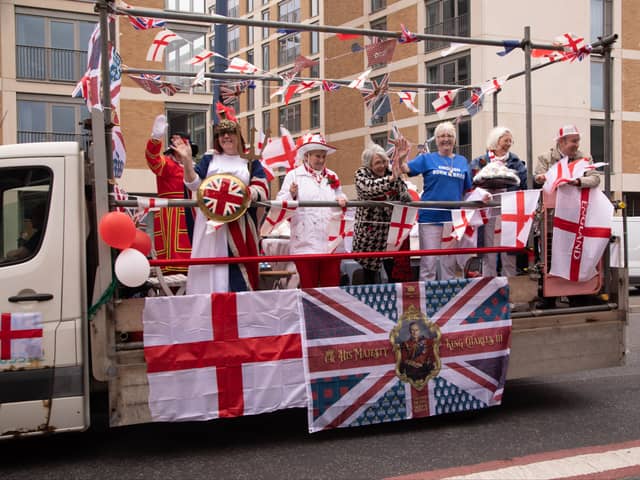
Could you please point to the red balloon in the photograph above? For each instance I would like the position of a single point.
(142, 242)
(117, 230)
(414, 195)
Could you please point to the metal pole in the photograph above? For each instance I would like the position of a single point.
(308, 27)
(495, 108)
(103, 9)
(220, 47)
(608, 130)
(528, 104)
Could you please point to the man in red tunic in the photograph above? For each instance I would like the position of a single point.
(172, 227)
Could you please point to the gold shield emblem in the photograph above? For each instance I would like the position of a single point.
(223, 197)
(416, 344)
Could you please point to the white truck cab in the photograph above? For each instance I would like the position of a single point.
(42, 272)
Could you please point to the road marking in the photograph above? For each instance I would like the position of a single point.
(614, 461)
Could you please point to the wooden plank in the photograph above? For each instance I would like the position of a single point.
(566, 348)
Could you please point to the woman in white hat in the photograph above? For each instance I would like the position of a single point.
(312, 180)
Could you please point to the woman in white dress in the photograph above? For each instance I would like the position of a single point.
(309, 225)
(237, 238)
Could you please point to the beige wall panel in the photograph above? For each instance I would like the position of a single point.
(346, 160)
(133, 49)
(631, 92)
(339, 60)
(630, 159)
(408, 18)
(137, 120)
(343, 110)
(630, 38)
(342, 12)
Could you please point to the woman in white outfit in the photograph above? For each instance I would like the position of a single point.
(236, 238)
(309, 225)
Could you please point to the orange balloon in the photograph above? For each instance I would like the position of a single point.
(117, 230)
(142, 242)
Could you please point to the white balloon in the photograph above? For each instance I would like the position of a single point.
(132, 267)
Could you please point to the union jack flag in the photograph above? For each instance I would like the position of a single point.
(353, 339)
(376, 92)
(224, 196)
(230, 92)
(143, 23)
(328, 86)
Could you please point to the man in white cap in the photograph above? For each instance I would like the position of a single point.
(567, 145)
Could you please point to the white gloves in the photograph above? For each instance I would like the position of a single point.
(159, 127)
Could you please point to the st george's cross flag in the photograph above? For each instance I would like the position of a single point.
(340, 226)
(581, 232)
(402, 220)
(364, 365)
(160, 42)
(223, 355)
(444, 101)
(20, 335)
(280, 212)
(280, 152)
(517, 212)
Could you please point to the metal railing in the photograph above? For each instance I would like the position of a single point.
(457, 26)
(27, 136)
(50, 64)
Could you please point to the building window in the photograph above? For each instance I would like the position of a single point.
(233, 8)
(288, 48)
(265, 30)
(446, 17)
(315, 8)
(266, 121)
(463, 137)
(601, 19)
(233, 39)
(632, 200)
(597, 84)
(51, 49)
(379, 24)
(596, 148)
(249, 6)
(190, 121)
(453, 71)
(265, 57)
(380, 139)
(250, 33)
(179, 53)
(314, 72)
(24, 211)
(315, 112)
(314, 41)
(289, 117)
(196, 6)
(51, 120)
(251, 124)
(378, 5)
(251, 98)
(289, 11)
(266, 93)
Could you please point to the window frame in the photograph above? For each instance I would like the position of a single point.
(286, 112)
(440, 63)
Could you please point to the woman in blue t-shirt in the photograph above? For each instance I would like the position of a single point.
(446, 178)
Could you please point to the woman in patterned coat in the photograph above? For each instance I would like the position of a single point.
(376, 181)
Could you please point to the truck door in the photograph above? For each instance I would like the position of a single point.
(41, 353)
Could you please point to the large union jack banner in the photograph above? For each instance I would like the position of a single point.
(382, 353)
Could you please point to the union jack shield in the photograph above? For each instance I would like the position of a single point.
(383, 353)
(223, 197)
